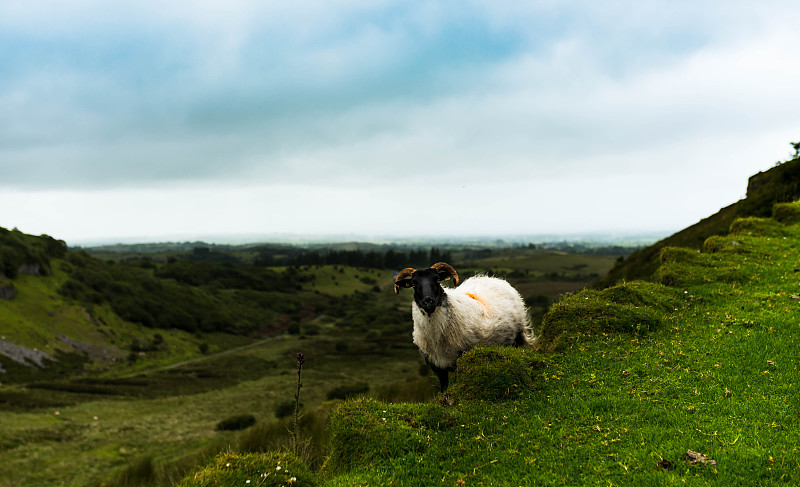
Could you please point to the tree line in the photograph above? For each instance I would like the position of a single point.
(389, 259)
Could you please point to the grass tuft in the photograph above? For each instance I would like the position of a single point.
(261, 469)
(234, 423)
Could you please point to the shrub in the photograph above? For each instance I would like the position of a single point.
(285, 408)
(311, 329)
(234, 423)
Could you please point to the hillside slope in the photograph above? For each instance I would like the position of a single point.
(777, 185)
(634, 376)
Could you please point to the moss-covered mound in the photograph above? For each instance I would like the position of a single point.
(682, 267)
(256, 469)
(634, 307)
(364, 430)
(787, 213)
(755, 226)
(494, 374)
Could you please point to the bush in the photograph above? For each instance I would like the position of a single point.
(348, 390)
(285, 408)
(311, 329)
(234, 423)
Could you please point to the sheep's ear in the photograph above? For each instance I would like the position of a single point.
(444, 276)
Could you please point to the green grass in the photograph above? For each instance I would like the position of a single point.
(643, 372)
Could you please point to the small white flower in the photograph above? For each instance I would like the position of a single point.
(247, 481)
(277, 468)
(227, 464)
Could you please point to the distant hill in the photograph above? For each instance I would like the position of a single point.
(780, 184)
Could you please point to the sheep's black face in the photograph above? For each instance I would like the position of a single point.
(428, 293)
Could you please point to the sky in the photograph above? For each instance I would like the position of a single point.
(152, 121)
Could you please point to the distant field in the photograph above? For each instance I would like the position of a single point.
(540, 263)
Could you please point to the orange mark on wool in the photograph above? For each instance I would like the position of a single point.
(476, 298)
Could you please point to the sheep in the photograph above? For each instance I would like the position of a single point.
(482, 311)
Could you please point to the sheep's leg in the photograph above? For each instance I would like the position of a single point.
(443, 376)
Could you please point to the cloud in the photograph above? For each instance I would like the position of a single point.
(579, 106)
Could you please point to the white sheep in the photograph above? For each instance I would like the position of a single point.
(482, 311)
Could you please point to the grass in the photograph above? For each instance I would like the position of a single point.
(643, 372)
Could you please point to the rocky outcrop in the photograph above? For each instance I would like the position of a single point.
(23, 355)
(33, 269)
(7, 290)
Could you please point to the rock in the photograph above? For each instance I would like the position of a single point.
(692, 457)
(32, 269)
(7, 290)
(23, 355)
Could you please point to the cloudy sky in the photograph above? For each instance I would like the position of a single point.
(157, 120)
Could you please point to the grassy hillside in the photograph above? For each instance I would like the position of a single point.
(624, 383)
(705, 360)
(777, 185)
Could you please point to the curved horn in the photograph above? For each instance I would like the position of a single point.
(402, 275)
(443, 266)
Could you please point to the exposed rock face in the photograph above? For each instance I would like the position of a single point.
(7, 290)
(23, 355)
(33, 269)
